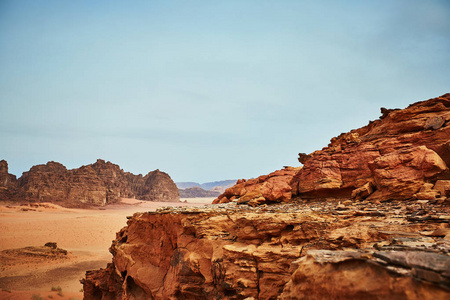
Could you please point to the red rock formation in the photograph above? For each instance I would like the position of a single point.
(271, 188)
(326, 274)
(159, 186)
(96, 184)
(298, 248)
(231, 251)
(8, 182)
(395, 155)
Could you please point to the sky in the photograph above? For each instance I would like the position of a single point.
(208, 90)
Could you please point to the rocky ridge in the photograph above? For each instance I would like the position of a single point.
(403, 155)
(291, 251)
(365, 218)
(96, 184)
(196, 191)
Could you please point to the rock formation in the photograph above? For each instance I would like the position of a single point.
(391, 158)
(197, 191)
(403, 155)
(297, 250)
(274, 187)
(158, 186)
(96, 184)
(365, 218)
(8, 182)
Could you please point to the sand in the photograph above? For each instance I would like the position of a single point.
(86, 233)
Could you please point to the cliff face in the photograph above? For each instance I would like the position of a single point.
(8, 182)
(365, 218)
(391, 158)
(291, 251)
(403, 155)
(96, 184)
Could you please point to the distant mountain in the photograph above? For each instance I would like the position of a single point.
(224, 184)
(196, 192)
(186, 185)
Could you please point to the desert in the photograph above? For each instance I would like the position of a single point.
(225, 150)
(366, 217)
(85, 233)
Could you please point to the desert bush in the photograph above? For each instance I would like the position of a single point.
(56, 289)
(36, 297)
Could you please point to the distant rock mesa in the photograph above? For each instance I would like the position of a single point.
(96, 184)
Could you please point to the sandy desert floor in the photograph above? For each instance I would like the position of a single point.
(85, 233)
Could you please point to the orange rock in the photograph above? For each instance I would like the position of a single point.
(274, 187)
(401, 174)
(398, 153)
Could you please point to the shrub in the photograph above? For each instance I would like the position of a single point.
(56, 289)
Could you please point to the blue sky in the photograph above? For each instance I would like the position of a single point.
(207, 90)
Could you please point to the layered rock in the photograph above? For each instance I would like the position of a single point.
(274, 237)
(158, 186)
(231, 251)
(271, 188)
(395, 155)
(96, 184)
(8, 182)
(324, 274)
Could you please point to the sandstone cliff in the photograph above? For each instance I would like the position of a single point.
(365, 218)
(403, 155)
(96, 184)
(311, 250)
(8, 182)
(394, 157)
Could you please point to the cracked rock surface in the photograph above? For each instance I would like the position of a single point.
(309, 248)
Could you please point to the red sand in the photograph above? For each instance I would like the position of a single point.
(85, 233)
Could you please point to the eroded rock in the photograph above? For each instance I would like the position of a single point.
(231, 251)
(96, 184)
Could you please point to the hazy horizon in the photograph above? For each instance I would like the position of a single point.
(207, 91)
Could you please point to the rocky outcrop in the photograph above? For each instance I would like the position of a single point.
(400, 156)
(158, 186)
(271, 188)
(395, 155)
(8, 182)
(196, 191)
(96, 184)
(314, 249)
(274, 237)
(324, 274)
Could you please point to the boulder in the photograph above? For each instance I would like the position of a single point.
(271, 188)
